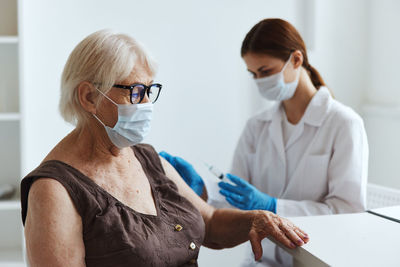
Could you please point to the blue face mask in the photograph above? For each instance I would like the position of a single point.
(132, 126)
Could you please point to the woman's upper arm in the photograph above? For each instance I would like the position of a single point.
(205, 209)
(53, 227)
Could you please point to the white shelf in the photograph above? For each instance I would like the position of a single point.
(10, 204)
(8, 39)
(11, 229)
(9, 116)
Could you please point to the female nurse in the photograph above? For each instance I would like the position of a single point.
(307, 155)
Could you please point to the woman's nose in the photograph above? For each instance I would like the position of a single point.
(145, 98)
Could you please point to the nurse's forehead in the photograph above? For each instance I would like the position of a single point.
(260, 59)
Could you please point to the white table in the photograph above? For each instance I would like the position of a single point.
(360, 239)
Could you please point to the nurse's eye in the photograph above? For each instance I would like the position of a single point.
(265, 73)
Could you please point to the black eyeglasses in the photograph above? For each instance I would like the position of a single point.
(138, 90)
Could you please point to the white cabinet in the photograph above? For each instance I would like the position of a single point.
(11, 236)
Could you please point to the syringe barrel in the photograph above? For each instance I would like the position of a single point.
(217, 172)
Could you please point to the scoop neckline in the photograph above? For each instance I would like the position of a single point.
(153, 191)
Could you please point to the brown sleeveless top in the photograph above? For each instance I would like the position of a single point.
(116, 235)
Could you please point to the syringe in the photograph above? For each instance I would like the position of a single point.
(217, 173)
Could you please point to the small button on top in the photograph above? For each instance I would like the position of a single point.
(192, 246)
(178, 227)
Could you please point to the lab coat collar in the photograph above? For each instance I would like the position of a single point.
(318, 108)
(315, 113)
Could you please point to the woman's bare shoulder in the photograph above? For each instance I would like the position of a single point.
(49, 197)
(53, 226)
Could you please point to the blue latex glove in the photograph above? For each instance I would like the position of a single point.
(245, 196)
(186, 170)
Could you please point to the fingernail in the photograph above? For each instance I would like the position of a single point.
(300, 242)
(292, 245)
(256, 257)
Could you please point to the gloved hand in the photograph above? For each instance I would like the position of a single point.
(186, 170)
(245, 196)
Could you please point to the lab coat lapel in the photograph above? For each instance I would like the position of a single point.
(275, 132)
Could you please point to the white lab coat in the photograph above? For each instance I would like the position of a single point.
(321, 170)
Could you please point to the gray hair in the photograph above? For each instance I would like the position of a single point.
(103, 58)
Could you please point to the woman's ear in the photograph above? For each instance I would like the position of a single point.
(297, 59)
(86, 94)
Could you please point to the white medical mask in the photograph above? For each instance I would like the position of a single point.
(132, 126)
(274, 88)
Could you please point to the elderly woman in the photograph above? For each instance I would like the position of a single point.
(100, 198)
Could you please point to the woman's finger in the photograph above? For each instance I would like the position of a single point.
(302, 234)
(301, 231)
(281, 237)
(293, 236)
(255, 242)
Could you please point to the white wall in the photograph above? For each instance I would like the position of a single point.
(340, 48)
(382, 109)
(205, 99)
(384, 38)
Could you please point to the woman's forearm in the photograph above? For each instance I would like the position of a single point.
(228, 228)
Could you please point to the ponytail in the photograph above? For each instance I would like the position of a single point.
(315, 77)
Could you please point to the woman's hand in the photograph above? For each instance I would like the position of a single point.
(268, 224)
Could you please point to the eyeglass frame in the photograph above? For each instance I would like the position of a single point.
(145, 90)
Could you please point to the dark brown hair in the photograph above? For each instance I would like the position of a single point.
(279, 38)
